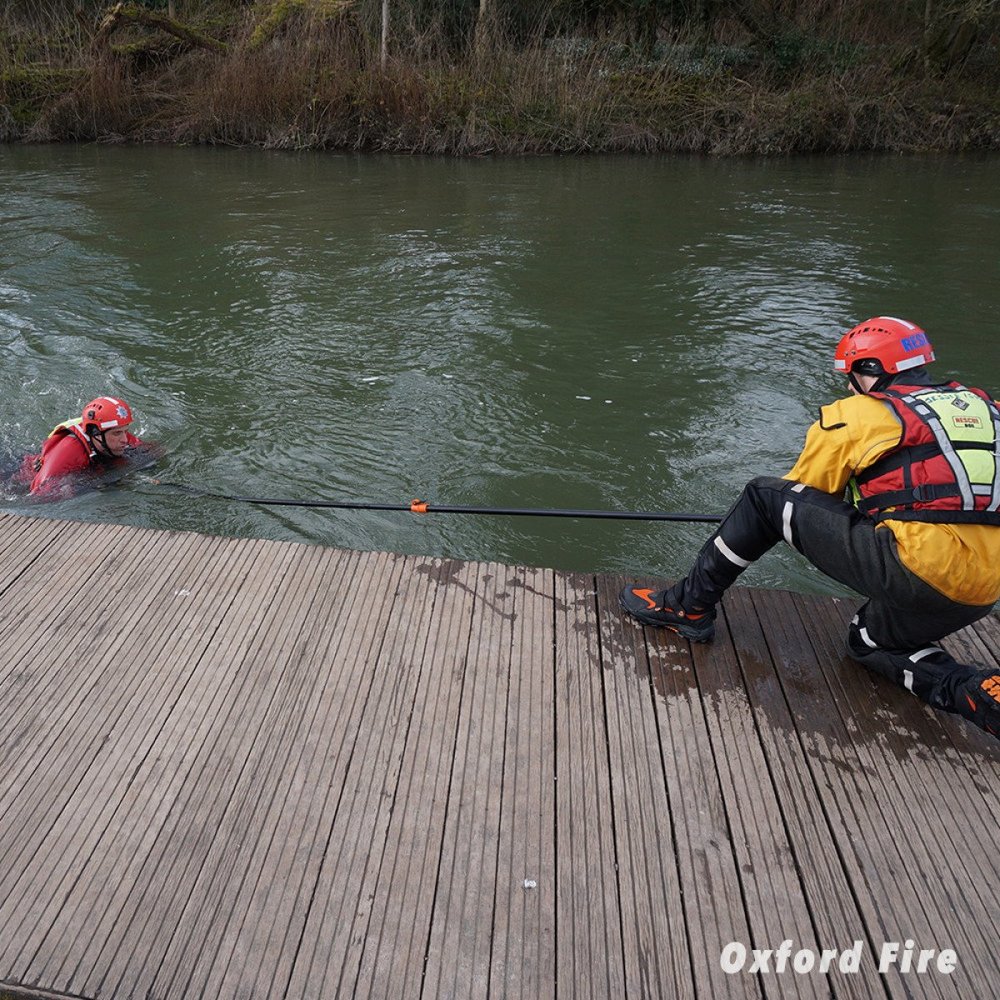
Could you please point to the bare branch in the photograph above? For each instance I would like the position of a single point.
(128, 12)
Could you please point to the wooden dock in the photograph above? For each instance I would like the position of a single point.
(250, 769)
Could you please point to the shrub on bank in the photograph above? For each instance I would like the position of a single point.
(303, 74)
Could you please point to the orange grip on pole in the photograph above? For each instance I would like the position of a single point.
(418, 506)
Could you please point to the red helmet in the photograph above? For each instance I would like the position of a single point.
(105, 412)
(883, 345)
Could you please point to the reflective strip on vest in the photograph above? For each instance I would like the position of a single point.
(932, 416)
(964, 425)
(994, 503)
(933, 421)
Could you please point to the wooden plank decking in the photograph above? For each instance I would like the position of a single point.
(249, 769)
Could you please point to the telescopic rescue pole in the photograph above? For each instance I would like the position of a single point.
(423, 507)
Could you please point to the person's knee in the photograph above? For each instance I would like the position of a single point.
(762, 507)
(861, 645)
(768, 484)
(764, 495)
(856, 648)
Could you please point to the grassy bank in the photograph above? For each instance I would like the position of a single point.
(302, 74)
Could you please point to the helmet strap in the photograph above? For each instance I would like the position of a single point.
(98, 438)
(853, 379)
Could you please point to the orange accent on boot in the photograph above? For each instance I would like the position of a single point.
(991, 687)
(644, 594)
(972, 704)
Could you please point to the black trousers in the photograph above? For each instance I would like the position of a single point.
(893, 632)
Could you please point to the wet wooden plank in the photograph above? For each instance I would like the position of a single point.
(714, 911)
(52, 730)
(524, 937)
(161, 828)
(219, 937)
(113, 709)
(656, 958)
(838, 916)
(334, 935)
(40, 592)
(858, 786)
(987, 630)
(250, 928)
(300, 772)
(769, 862)
(458, 954)
(914, 764)
(392, 964)
(588, 944)
(35, 627)
(248, 679)
(24, 542)
(935, 747)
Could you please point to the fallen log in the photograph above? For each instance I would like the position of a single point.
(123, 13)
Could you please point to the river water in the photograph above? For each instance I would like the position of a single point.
(628, 333)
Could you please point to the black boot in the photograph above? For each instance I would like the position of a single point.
(933, 676)
(976, 697)
(663, 609)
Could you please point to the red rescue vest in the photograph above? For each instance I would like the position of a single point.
(72, 427)
(946, 467)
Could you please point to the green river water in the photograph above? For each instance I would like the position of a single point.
(629, 333)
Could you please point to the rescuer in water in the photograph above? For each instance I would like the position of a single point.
(920, 461)
(91, 443)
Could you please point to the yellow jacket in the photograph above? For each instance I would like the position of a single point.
(962, 561)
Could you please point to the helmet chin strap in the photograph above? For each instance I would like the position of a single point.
(858, 387)
(99, 440)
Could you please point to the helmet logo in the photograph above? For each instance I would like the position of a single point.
(912, 343)
(123, 413)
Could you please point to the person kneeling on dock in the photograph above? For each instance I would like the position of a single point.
(96, 440)
(921, 540)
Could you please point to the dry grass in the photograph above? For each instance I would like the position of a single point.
(313, 80)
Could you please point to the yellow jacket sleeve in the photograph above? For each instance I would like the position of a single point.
(849, 436)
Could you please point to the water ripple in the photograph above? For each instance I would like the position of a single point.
(620, 333)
